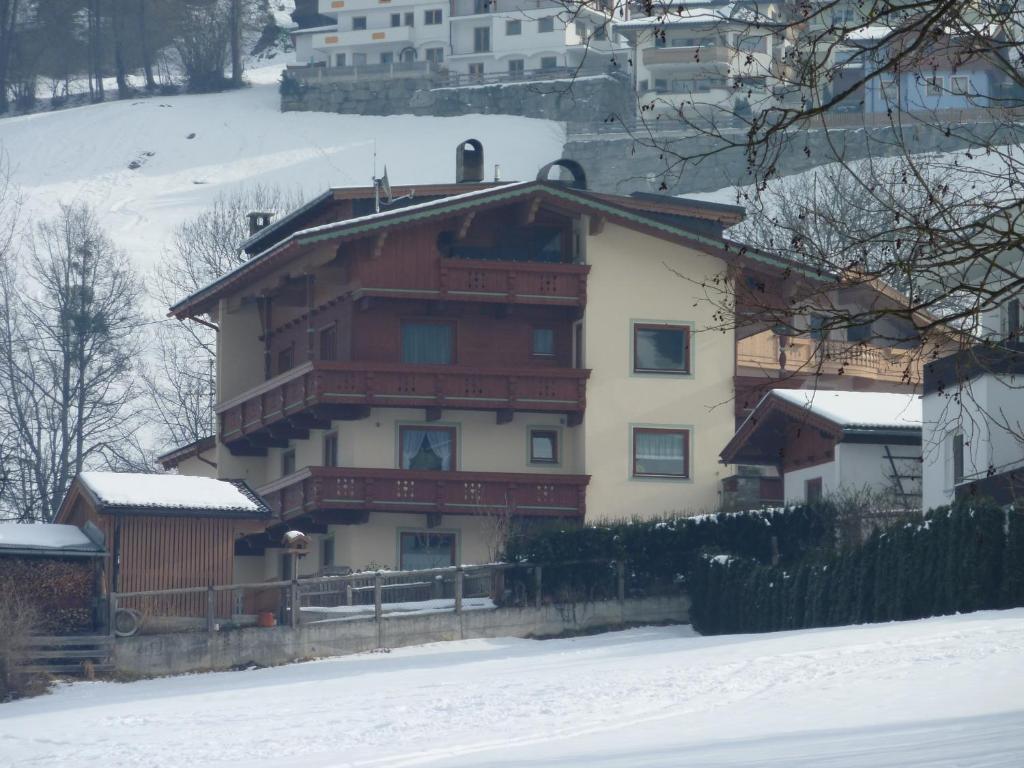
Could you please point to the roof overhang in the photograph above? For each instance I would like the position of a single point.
(555, 195)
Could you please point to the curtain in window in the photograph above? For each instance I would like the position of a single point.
(660, 453)
(412, 439)
(440, 443)
(429, 343)
(426, 449)
(661, 349)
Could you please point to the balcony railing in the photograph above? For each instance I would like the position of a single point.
(325, 489)
(285, 406)
(477, 280)
(808, 357)
(691, 56)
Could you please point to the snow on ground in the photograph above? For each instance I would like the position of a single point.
(419, 607)
(939, 692)
(240, 137)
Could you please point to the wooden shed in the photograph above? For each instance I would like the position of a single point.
(56, 568)
(165, 531)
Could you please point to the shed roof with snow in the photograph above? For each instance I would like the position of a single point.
(155, 494)
(785, 415)
(46, 540)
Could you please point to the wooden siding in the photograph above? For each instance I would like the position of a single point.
(168, 552)
(320, 489)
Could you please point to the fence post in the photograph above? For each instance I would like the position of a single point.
(537, 584)
(378, 592)
(620, 568)
(458, 589)
(211, 608)
(112, 613)
(348, 593)
(295, 602)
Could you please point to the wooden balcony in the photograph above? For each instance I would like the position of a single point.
(312, 394)
(476, 280)
(809, 358)
(347, 495)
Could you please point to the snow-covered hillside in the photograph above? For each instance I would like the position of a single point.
(190, 148)
(939, 692)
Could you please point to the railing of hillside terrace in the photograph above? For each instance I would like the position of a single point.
(453, 584)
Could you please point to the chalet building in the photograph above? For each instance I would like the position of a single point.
(476, 38)
(974, 415)
(824, 442)
(398, 382)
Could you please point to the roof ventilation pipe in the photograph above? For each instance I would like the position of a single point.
(469, 162)
(579, 176)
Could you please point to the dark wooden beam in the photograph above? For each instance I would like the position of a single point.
(342, 516)
(246, 448)
(378, 244)
(530, 211)
(285, 431)
(309, 421)
(467, 222)
(597, 225)
(504, 415)
(574, 419)
(352, 412)
(432, 413)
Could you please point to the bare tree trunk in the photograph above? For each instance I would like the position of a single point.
(147, 55)
(116, 22)
(8, 16)
(236, 43)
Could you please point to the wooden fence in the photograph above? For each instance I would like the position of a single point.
(231, 606)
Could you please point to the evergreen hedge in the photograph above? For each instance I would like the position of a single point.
(966, 558)
(660, 552)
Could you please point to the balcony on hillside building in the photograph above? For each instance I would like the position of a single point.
(694, 59)
(347, 495)
(806, 357)
(475, 279)
(310, 395)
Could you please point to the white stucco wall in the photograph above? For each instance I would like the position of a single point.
(793, 483)
(630, 280)
(989, 412)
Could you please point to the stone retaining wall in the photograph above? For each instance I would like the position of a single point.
(585, 99)
(199, 651)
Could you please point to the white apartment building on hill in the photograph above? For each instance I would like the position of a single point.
(467, 37)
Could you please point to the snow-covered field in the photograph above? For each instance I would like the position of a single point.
(193, 147)
(939, 692)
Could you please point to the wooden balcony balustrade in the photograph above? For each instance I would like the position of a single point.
(308, 396)
(516, 282)
(808, 357)
(321, 491)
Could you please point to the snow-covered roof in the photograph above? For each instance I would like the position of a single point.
(45, 538)
(870, 410)
(151, 491)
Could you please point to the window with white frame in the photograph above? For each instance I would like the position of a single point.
(432, 16)
(358, 22)
(959, 85)
(513, 27)
(435, 55)
(934, 86)
(546, 24)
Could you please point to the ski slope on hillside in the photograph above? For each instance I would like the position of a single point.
(938, 692)
(237, 138)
